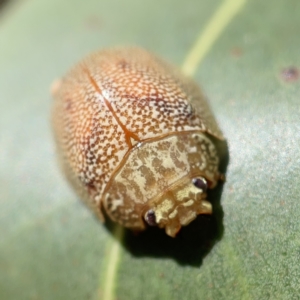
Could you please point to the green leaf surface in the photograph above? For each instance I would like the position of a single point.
(51, 246)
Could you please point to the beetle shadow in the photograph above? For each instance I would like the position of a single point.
(192, 243)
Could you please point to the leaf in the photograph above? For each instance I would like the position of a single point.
(51, 247)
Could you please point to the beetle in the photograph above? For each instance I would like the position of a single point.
(136, 139)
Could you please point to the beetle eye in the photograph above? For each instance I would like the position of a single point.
(150, 218)
(200, 183)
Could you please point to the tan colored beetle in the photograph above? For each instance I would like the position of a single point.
(134, 137)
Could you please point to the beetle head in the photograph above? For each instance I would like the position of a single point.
(179, 205)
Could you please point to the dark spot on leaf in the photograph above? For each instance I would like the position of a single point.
(3, 3)
(236, 52)
(290, 74)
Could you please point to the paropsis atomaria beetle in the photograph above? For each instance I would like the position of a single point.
(135, 138)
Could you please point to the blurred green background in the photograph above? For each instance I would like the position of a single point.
(51, 247)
